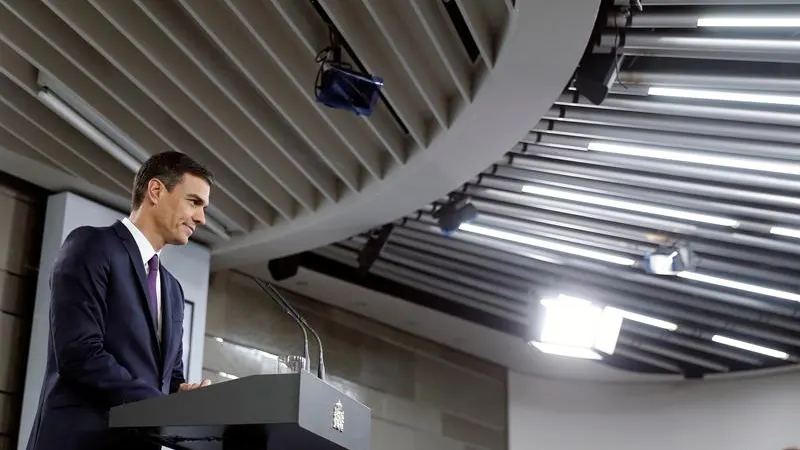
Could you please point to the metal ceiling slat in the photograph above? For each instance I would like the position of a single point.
(676, 124)
(450, 291)
(641, 344)
(311, 33)
(676, 108)
(480, 27)
(650, 181)
(654, 197)
(693, 343)
(780, 85)
(394, 22)
(698, 172)
(675, 227)
(238, 109)
(644, 357)
(362, 34)
(347, 139)
(271, 182)
(628, 135)
(444, 40)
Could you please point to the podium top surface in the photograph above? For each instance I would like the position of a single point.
(299, 401)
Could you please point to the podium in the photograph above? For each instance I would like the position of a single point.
(295, 411)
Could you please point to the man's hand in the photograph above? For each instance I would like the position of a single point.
(185, 387)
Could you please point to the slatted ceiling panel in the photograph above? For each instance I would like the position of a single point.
(235, 101)
(231, 83)
(444, 41)
(140, 117)
(616, 180)
(275, 183)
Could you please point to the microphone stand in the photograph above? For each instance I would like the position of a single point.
(276, 297)
(299, 317)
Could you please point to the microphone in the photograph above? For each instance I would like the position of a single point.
(299, 317)
(276, 297)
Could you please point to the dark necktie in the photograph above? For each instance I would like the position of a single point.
(152, 291)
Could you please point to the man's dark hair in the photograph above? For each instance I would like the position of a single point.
(168, 168)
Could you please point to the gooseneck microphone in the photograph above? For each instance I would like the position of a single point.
(298, 318)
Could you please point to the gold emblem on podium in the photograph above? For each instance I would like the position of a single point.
(338, 417)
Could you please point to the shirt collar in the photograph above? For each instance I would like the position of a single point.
(145, 248)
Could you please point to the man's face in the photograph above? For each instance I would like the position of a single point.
(179, 212)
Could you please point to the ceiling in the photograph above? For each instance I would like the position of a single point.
(696, 143)
(231, 83)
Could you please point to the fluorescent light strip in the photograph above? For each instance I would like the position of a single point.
(565, 350)
(791, 296)
(705, 94)
(711, 160)
(227, 375)
(788, 232)
(630, 206)
(647, 320)
(87, 129)
(748, 22)
(534, 242)
(749, 347)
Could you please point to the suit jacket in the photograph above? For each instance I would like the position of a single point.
(103, 348)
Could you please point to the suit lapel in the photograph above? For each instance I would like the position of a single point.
(136, 261)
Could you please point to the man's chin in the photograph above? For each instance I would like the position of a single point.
(179, 240)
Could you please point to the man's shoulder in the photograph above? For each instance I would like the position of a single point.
(89, 239)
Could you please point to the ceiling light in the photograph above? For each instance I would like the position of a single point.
(697, 158)
(564, 350)
(227, 375)
(630, 206)
(694, 276)
(749, 22)
(647, 320)
(550, 245)
(727, 96)
(573, 326)
(749, 347)
(789, 232)
(70, 115)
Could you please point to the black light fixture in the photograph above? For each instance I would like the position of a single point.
(452, 214)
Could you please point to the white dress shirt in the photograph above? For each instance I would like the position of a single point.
(147, 251)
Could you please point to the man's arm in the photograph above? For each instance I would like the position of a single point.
(178, 378)
(77, 321)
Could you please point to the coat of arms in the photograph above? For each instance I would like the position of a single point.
(338, 417)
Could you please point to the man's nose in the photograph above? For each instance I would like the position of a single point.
(200, 217)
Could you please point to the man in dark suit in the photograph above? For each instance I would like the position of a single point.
(116, 313)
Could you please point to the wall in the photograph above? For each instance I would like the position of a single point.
(423, 396)
(190, 264)
(738, 414)
(21, 218)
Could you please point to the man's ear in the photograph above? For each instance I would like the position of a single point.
(154, 190)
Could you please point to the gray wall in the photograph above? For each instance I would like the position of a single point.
(423, 396)
(20, 233)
